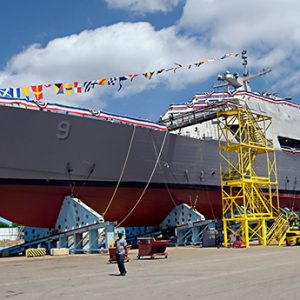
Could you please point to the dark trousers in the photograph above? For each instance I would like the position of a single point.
(120, 260)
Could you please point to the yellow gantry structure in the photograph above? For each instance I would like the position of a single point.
(249, 178)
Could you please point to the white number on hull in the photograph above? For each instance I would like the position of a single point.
(63, 129)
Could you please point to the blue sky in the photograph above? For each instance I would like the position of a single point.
(65, 41)
(4, 220)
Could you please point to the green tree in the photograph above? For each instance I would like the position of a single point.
(3, 225)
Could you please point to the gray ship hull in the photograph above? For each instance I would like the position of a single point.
(45, 156)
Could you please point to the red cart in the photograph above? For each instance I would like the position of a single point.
(152, 247)
(112, 254)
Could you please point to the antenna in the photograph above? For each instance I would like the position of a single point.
(261, 73)
(233, 79)
(245, 62)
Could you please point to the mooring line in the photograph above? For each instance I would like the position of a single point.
(122, 172)
(150, 178)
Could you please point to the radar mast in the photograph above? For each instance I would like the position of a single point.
(237, 82)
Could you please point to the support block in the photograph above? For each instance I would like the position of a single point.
(59, 251)
(63, 241)
(109, 234)
(181, 214)
(78, 242)
(93, 245)
(75, 214)
(78, 228)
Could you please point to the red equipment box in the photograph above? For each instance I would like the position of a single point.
(152, 247)
(238, 244)
(112, 254)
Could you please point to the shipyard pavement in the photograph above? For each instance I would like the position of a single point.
(188, 273)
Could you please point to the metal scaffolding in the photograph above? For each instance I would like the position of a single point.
(249, 178)
(248, 171)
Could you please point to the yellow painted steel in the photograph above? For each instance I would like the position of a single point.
(33, 252)
(249, 178)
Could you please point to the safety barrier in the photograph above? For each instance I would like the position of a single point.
(32, 252)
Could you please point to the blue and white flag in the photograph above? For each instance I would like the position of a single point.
(11, 93)
(16, 92)
(112, 81)
(88, 85)
(6, 92)
(122, 78)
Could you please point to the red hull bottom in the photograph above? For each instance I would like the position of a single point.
(38, 206)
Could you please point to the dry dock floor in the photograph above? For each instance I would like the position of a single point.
(188, 273)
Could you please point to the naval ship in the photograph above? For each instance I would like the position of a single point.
(129, 170)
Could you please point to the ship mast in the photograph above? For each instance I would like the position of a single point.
(237, 82)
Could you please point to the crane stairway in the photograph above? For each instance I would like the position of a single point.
(200, 115)
(277, 232)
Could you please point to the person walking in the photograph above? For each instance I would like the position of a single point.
(120, 245)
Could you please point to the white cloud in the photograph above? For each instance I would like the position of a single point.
(244, 23)
(114, 50)
(144, 6)
(269, 29)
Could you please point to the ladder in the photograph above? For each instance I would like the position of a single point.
(277, 232)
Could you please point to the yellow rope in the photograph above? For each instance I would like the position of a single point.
(122, 173)
(150, 178)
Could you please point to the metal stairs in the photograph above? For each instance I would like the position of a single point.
(277, 232)
(200, 115)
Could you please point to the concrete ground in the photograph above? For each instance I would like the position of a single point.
(188, 273)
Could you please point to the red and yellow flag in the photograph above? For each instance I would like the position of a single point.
(37, 91)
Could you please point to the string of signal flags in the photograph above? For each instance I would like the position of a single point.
(87, 86)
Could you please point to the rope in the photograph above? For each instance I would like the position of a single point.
(166, 184)
(122, 172)
(170, 194)
(210, 204)
(150, 178)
